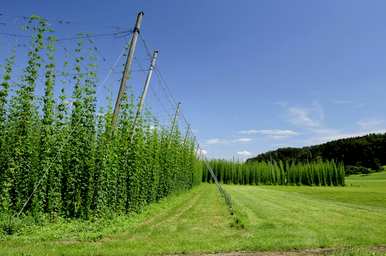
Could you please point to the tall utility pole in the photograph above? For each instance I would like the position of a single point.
(144, 92)
(127, 69)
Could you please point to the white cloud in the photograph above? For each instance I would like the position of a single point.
(244, 153)
(249, 132)
(302, 117)
(276, 132)
(215, 141)
(366, 126)
(271, 133)
(308, 117)
(311, 119)
(242, 140)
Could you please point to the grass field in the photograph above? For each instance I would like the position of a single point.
(275, 218)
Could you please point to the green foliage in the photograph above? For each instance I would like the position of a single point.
(24, 124)
(65, 160)
(319, 173)
(5, 171)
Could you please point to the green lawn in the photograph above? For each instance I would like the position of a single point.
(301, 217)
(274, 218)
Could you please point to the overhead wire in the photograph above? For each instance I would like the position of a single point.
(90, 35)
(158, 72)
(86, 36)
(166, 88)
(151, 89)
(161, 80)
(58, 21)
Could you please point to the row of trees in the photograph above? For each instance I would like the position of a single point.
(320, 173)
(365, 151)
(59, 156)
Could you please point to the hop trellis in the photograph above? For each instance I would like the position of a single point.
(319, 173)
(65, 159)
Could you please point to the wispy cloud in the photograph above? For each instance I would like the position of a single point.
(241, 140)
(217, 141)
(271, 133)
(302, 117)
(244, 153)
(249, 132)
(307, 117)
(323, 135)
(311, 118)
(365, 126)
(214, 141)
(371, 124)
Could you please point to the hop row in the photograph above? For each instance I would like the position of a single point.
(319, 173)
(61, 157)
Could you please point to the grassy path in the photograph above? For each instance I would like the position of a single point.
(276, 218)
(193, 221)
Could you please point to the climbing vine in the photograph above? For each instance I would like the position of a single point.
(61, 156)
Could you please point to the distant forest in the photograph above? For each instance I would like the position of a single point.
(359, 154)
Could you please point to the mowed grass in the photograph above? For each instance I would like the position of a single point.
(193, 221)
(275, 218)
(286, 217)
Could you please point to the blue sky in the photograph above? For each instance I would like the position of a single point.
(251, 75)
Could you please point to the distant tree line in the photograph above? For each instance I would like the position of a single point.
(359, 154)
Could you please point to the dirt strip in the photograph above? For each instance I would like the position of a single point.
(304, 252)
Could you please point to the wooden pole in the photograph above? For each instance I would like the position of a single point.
(144, 93)
(127, 69)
